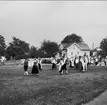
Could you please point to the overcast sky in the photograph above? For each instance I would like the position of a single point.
(34, 21)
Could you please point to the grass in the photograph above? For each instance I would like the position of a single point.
(50, 88)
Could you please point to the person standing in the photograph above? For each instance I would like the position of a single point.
(54, 64)
(76, 63)
(84, 61)
(61, 63)
(80, 67)
(35, 69)
(65, 65)
(39, 64)
(26, 67)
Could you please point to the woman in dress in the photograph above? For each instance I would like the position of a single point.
(26, 67)
(35, 69)
(80, 66)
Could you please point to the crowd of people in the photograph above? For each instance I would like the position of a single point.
(35, 65)
(79, 63)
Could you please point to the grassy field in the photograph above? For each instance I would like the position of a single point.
(50, 88)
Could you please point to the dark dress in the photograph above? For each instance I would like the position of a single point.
(54, 66)
(35, 69)
(70, 64)
(80, 66)
(39, 65)
(75, 65)
(25, 65)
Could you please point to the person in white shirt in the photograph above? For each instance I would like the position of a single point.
(76, 63)
(72, 63)
(61, 63)
(65, 65)
(84, 61)
(40, 63)
(31, 62)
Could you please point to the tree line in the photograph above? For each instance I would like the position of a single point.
(19, 49)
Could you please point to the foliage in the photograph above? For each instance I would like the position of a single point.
(2, 45)
(33, 52)
(103, 46)
(46, 61)
(72, 38)
(17, 48)
(49, 49)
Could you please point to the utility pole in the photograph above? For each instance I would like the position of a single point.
(93, 46)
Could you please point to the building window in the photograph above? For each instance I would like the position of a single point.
(74, 47)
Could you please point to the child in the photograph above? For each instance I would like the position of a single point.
(26, 67)
(35, 69)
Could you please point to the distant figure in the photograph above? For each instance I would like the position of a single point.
(71, 63)
(80, 66)
(3, 59)
(26, 67)
(96, 61)
(39, 64)
(84, 61)
(61, 63)
(35, 69)
(65, 65)
(62, 66)
(76, 63)
(54, 64)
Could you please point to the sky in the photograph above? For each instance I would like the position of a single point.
(34, 21)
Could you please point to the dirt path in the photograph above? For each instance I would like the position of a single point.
(100, 100)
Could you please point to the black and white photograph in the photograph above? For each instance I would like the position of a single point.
(53, 52)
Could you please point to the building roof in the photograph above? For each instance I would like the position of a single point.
(82, 45)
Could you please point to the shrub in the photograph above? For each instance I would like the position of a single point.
(47, 61)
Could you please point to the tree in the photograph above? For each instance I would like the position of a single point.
(33, 52)
(2, 45)
(103, 46)
(20, 43)
(72, 38)
(17, 48)
(14, 51)
(49, 48)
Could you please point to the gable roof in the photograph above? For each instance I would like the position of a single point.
(82, 45)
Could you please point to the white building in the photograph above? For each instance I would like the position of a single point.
(75, 49)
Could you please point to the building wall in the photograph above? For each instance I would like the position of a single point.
(74, 50)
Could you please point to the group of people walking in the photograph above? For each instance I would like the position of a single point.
(78, 63)
(36, 67)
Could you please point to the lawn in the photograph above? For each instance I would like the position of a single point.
(50, 88)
